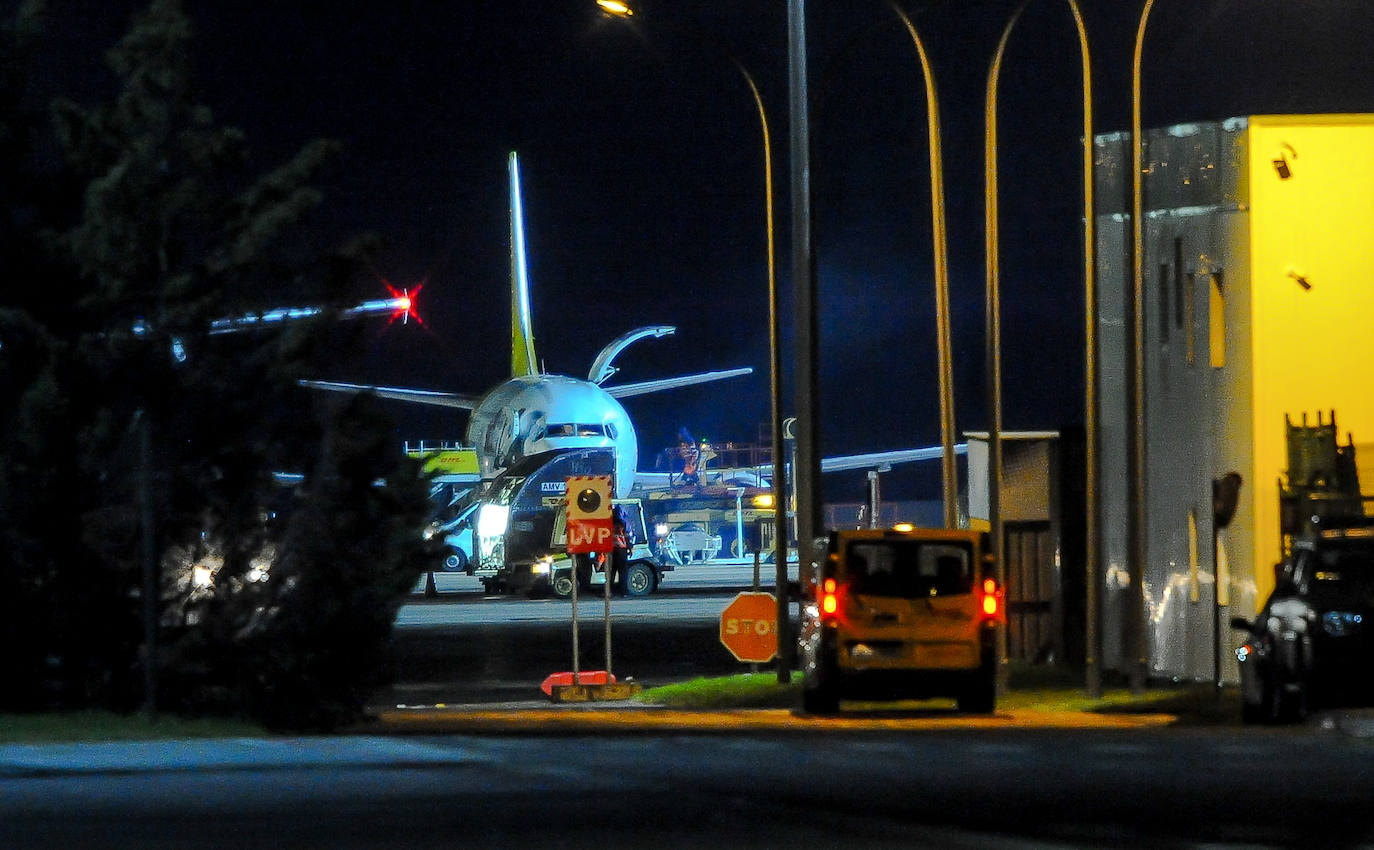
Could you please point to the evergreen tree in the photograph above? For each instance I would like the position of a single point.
(144, 238)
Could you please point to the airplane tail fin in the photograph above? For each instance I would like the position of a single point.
(522, 360)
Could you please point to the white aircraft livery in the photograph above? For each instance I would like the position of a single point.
(532, 412)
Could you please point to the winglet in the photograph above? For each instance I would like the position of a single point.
(602, 368)
(522, 360)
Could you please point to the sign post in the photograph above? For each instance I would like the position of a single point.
(749, 627)
(589, 530)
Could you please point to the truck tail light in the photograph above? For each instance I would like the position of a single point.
(829, 599)
(992, 599)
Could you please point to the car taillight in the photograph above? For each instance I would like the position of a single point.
(992, 599)
(830, 599)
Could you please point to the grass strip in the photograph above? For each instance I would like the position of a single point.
(1194, 703)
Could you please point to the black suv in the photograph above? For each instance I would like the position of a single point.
(1312, 644)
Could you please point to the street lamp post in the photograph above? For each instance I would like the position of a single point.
(941, 253)
(1137, 661)
(623, 11)
(993, 318)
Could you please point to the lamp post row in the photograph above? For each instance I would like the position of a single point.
(804, 285)
(1092, 638)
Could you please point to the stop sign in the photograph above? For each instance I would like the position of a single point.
(749, 626)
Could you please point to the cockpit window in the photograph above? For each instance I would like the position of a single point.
(569, 429)
(611, 431)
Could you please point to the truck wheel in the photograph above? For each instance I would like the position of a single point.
(638, 579)
(821, 698)
(456, 562)
(979, 695)
(562, 585)
(1253, 712)
(820, 689)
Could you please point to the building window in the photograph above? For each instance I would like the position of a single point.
(1216, 320)
(1163, 303)
(1194, 581)
(1189, 312)
(1178, 283)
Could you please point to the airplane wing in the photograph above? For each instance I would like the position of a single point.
(873, 460)
(466, 402)
(643, 387)
(760, 477)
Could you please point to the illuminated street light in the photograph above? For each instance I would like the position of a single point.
(615, 8)
(994, 335)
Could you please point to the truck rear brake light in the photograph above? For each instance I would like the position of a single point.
(830, 602)
(991, 598)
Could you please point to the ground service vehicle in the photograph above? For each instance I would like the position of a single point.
(643, 568)
(711, 523)
(902, 614)
(520, 536)
(516, 518)
(1313, 641)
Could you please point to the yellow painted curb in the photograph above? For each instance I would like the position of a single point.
(782, 720)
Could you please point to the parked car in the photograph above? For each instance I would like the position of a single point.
(1311, 644)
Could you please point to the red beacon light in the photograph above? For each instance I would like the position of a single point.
(403, 303)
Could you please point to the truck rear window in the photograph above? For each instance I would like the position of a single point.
(908, 568)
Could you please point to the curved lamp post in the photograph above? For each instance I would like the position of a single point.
(622, 10)
(994, 330)
(941, 253)
(1137, 660)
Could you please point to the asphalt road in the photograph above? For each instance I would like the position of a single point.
(1014, 788)
(468, 647)
(583, 776)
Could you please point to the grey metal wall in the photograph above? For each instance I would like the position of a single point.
(1111, 170)
(1197, 417)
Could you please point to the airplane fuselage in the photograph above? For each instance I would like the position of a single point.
(532, 414)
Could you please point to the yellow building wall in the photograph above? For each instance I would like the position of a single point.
(1312, 349)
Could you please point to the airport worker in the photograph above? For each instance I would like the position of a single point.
(620, 542)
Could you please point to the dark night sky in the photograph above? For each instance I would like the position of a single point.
(644, 190)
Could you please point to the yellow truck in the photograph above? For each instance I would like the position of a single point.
(906, 613)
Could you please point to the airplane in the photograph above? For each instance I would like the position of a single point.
(534, 412)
